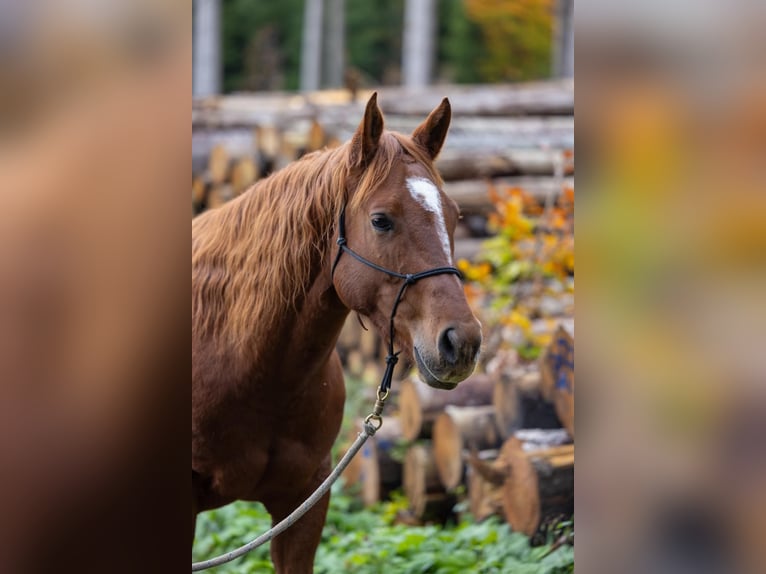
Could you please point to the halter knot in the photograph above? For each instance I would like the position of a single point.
(393, 358)
(341, 241)
(409, 279)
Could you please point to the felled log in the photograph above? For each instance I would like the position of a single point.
(200, 190)
(526, 486)
(316, 137)
(551, 98)
(557, 376)
(555, 97)
(218, 165)
(354, 362)
(419, 404)
(380, 472)
(420, 480)
(244, 173)
(519, 403)
(369, 343)
(349, 335)
(219, 194)
(458, 430)
(454, 164)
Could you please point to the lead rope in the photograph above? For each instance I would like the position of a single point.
(372, 421)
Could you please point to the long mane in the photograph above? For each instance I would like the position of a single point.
(253, 258)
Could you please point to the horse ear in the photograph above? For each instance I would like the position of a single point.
(364, 144)
(433, 131)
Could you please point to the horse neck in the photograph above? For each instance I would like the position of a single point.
(303, 332)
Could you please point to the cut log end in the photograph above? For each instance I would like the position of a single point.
(458, 430)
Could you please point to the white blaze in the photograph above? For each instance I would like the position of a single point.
(426, 194)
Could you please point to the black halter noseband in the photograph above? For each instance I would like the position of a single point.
(409, 279)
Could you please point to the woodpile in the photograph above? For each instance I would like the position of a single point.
(498, 441)
(419, 404)
(518, 135)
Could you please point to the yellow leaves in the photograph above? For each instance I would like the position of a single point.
(479, 272)
(530, 258)
(517, 37)
(518, 319)
(509, 217)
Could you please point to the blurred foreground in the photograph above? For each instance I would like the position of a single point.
(94, 163)
(671, 110)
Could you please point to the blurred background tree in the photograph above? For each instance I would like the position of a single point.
(477, 41)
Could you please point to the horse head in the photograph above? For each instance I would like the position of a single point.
(399, 222)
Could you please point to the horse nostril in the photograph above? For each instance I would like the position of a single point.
(448, 344)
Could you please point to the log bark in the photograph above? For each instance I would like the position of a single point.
(524, 486)
(454, 164)
(456, 431)
(519, 403)
(419, 404)
(428, 499)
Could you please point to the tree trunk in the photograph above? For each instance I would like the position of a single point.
(335, 61)
(311, 51)
(207, 48)
(419, 404)
(458, 430)
(418, 43)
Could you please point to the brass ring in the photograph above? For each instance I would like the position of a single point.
(373, 417)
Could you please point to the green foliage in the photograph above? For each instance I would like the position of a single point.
(256, 35)
(477, 41)
(374, 38)
(368, 542)
(460, 44)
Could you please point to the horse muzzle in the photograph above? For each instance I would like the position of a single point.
(451, 360)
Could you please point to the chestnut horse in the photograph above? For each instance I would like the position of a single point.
(268, 305)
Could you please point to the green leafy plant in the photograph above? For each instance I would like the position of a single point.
(370, 542)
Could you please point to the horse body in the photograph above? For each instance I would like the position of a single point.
(268, 306)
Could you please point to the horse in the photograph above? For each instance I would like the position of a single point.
(271, 292)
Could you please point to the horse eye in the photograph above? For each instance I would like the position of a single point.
(381, 222)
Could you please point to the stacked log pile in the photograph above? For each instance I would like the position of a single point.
(511, 135)
(501, 441)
